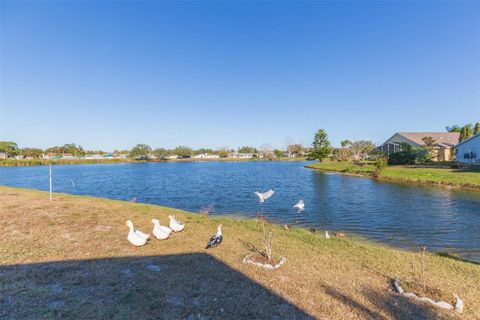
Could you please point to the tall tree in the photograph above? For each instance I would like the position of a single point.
(360, 149)
(321, 148)
(266, 149)
(278, 153)
(140, 151)
(345, 143)
(32, 152)
(183, 151)
(247, 149)
(161, 153)
(223, 152)
(294, 149)
(430, 147)
(476, 130)
(9, 147)
(466, 132)
(454, 128)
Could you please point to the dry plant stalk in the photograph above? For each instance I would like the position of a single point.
(424, 284)
(267, 237)
(414, 269)
(419, 279)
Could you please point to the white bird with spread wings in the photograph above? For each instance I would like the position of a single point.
(265, 195)
(300, 205)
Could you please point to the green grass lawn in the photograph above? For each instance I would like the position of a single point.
(439, 175)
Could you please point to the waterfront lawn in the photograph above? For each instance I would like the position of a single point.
(468, 177)
(69, 258)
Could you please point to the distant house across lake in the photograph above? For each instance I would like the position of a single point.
(445, 143)
(206, 156)
(468, 151)
(241, 155)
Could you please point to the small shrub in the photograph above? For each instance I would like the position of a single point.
(402, 157)
(380, 164)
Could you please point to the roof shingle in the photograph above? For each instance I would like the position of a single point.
(441, 138)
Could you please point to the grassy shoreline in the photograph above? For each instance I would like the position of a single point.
(462, 178)
(40, 162)
(69, 258)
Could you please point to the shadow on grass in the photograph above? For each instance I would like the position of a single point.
(394, 306)
(455, 257)
(185, 286)
(469, 168)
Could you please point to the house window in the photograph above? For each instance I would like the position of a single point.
(470, 154)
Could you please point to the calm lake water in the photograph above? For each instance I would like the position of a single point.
(399, 215)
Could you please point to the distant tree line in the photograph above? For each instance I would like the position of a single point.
(466, 132)
(145, 151)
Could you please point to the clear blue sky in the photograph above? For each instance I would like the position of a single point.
(112, 74)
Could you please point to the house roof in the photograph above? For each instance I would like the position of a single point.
(441, 138)
(472, 137)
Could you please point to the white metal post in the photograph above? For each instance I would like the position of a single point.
(50, 175)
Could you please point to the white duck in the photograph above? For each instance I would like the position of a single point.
(327, 236)
(300, 206)
(265, 195)
(160, 232)
(458, 303)
(136, 237)
(175, 225)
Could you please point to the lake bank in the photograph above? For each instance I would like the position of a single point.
(73, 251)
(461, 178)
(42, 162)
(444, 220)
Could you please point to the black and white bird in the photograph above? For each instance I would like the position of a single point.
(300, 206)
(265, 195)
(216, 239)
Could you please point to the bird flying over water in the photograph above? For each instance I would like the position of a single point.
(300, 206)
(265, 195)
(216, 239)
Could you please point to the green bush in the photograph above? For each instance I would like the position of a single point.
(402, 157)
(380, 163)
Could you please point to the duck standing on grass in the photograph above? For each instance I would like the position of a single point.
(160, 232)
(175, 225)
(216, 239)
(136, 237)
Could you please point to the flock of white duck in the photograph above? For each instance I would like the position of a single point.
(139, 238)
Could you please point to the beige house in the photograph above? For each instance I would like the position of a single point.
(445, 142)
